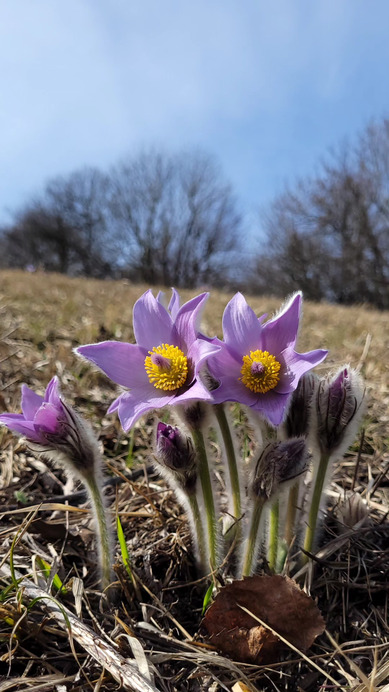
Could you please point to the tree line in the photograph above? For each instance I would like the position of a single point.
(329, 234)
(159, 218)
(172, 219)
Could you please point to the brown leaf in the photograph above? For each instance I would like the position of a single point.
(276, 600)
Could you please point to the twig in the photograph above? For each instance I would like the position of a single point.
(103, 650)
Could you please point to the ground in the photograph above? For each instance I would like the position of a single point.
(42, 318)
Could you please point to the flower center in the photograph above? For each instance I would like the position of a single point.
(260, 372)
(166, 367)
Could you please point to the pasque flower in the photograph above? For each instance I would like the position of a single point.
(257, 364)
(41, 416)
(162, 367)
(339, 408)
(55, 429)
(56, 432)
(175, 452)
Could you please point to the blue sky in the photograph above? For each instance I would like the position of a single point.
(267, 87)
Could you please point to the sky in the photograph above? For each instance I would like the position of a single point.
(265, 87)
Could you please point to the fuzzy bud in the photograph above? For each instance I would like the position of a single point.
(75, 447)
(279, 462)
(194, 415)
(339, 409)
(175, 452)
(351, 511)
(299, 414)
(55, 431)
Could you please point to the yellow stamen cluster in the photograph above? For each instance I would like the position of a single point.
(263, 378)
(171, 372)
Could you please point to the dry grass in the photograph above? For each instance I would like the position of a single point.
(42, 318)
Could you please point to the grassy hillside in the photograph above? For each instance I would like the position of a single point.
(43, 317)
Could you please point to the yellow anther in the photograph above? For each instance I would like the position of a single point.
(260, 371)
(166, 367)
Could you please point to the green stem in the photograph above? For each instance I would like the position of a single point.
(231, 463)
(291, 511)
(198, 529)
(206, 486)
(103, 532)
(251, 542)
(273, 533)
(315, 504)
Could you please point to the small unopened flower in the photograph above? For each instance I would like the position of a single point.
(177, 463)
(279, 462)
(54, 429)
(257, 364)
(297, 421)
(56, 432)
(339, 408)
(175, 451)
(351, 511)
(162, 367)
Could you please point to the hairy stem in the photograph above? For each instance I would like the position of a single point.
(291, 511)
(274, 520)
(209, 503)
(321, 473)
(103, 531)
(250, 546)
(198, 530)
(232, 466)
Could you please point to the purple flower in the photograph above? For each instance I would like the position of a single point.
(41, 416)
(55, 430)
(257, 364)
(339, 408)
(176, 457)
(162, 367)
(279, 463)
(174, 449)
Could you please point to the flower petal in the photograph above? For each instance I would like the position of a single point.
(17, 423)
(187, 321)
(47, 418)
(297, 364)
(115, 404)
(122, 362)
(272, 406)
(174, 304)
(241, 328)
(281, 331)
(225, 363)
(30, 402)
(199, 352)
(52, 392)
(130, 407)
(152, 323)
(196, 392)
(231, 389)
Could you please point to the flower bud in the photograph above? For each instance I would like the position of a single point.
(175, 452)
(299, 413)
(339, 410)
(74, 446)
(279, 462)
(194, 414)
(54, 430)
(351, 511)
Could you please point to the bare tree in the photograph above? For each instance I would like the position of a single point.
(176, 219)
(330, 234)
(40, 238)
(81, 200)
(66, 229)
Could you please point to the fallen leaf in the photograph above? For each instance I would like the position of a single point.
(277, 601)
(242, 687)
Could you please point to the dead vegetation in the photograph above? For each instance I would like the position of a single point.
(151, 624)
